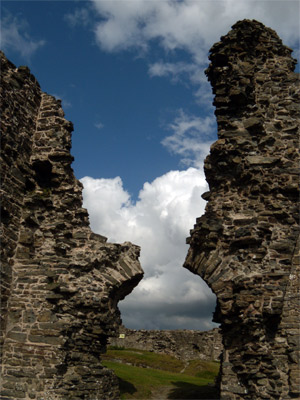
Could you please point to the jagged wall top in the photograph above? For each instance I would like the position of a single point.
(250, 42)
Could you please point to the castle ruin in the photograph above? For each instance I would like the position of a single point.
(60, 282)
(246, 245)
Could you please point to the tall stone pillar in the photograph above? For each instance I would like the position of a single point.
(246, 245)
(60, 282)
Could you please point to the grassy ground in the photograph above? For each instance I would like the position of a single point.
(147, 375)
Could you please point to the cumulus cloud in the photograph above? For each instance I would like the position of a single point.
(133, 24)
(14, 37)
(105, 200)
(190, 25)
(159, 222)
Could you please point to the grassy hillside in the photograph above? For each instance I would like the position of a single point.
(147, 375)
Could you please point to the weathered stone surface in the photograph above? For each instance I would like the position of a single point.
(182, 344)
(60, 282)
(245, 245)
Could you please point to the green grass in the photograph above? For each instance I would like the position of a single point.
(142, 358)
(203, 369)
(153, 373)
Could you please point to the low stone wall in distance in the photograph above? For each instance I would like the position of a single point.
(182, 344)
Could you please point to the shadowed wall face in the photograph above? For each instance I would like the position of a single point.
(245, 245)
(60, 282)
(182, 344)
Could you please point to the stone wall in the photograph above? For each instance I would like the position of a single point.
(245, 245)
(182, 344)
(60, 282)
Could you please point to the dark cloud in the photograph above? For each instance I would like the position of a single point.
(177, 315)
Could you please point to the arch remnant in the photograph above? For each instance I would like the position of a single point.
(60, 282)
(246, 245)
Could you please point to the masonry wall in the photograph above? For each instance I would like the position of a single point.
(246, 245)
(60, 282)
(182, 344)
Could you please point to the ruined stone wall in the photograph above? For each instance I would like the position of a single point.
(245, 245)
(182, 344)
(60, 282)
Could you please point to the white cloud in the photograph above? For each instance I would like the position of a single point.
(192, 137)
(80, 16)
(190, 25)
(159, 222)
(135, 23)
(99, 125)
(15, 38)
(175, 70)
(105, 199)
(186, 72)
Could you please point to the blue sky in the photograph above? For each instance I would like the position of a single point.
(130, 74)
(120, 113)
